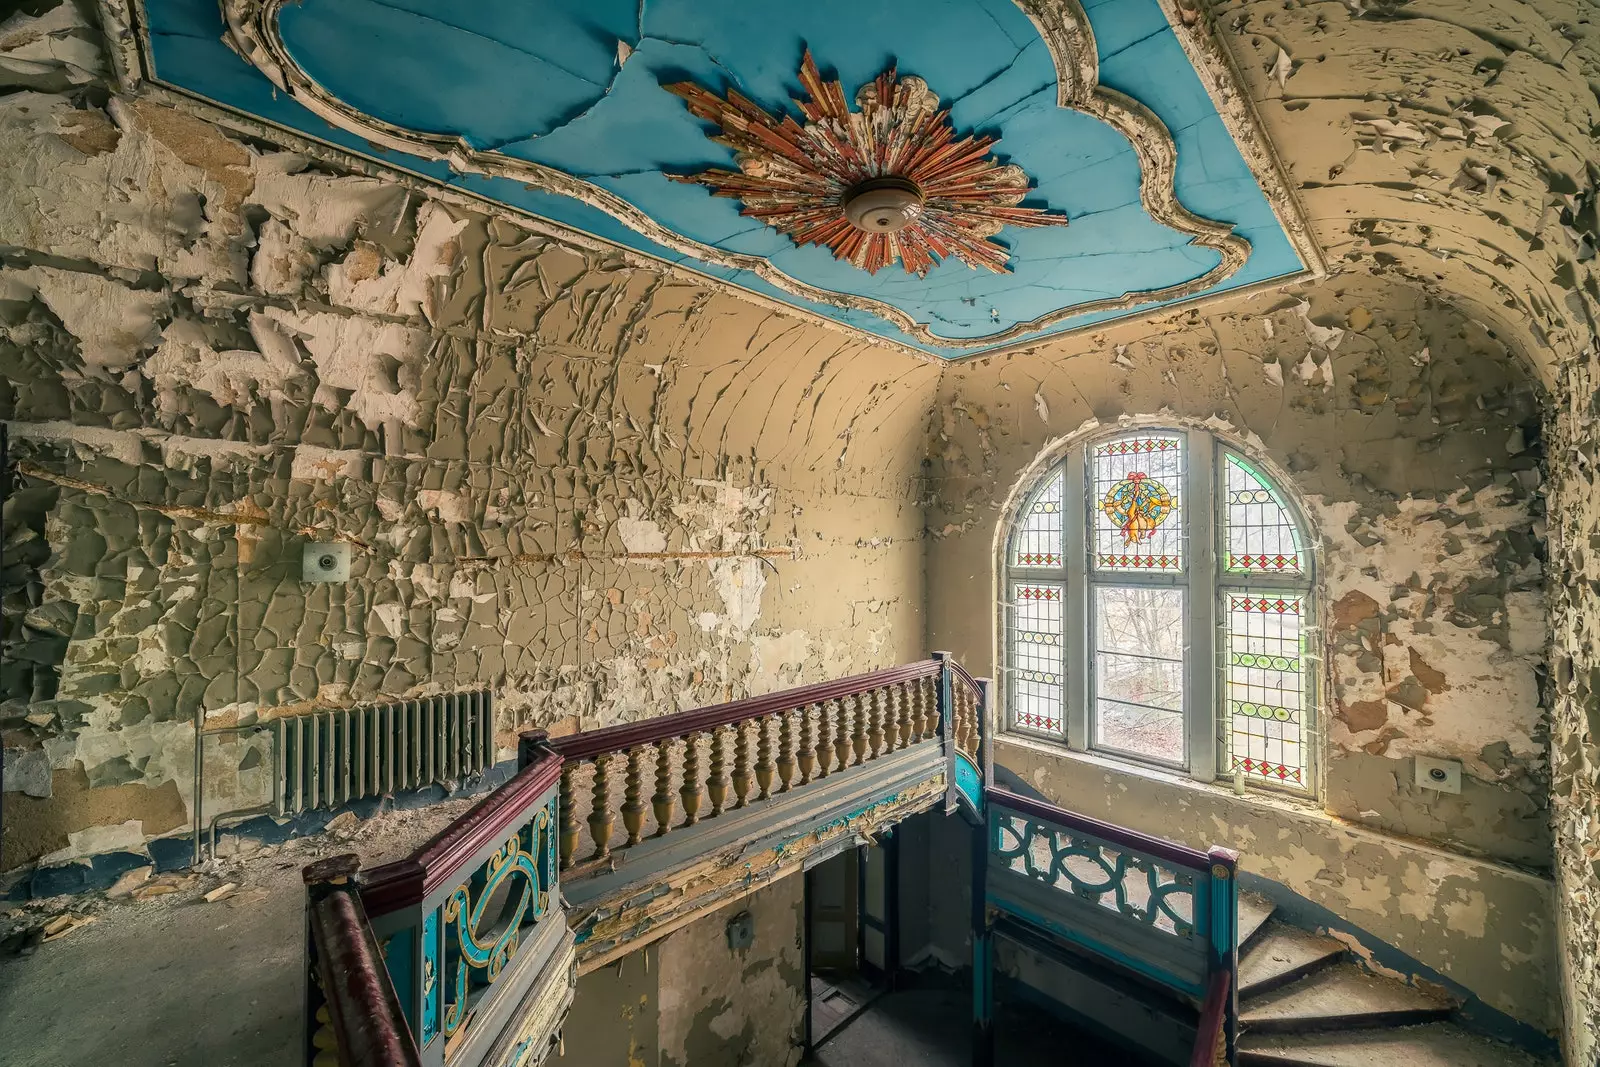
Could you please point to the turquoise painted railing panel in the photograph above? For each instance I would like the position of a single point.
(487, 916)
(969, 781)
(1149, 906)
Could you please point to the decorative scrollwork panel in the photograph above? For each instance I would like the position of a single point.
(1134, 886)
(488, 916)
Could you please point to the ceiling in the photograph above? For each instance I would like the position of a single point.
(558, 109)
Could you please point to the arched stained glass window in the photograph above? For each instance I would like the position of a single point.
(1156, 607)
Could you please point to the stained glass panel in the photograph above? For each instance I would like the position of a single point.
(1137, 497)
(1261, 537)
(1037, 640)
(1264, 683)
(1139, 645)
(1038, 542)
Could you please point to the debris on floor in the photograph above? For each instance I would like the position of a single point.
(130, 881)
(62, 925)
(222, 892)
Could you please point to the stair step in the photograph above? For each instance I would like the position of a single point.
(1433, 1045)
(1283, 954)
(1342, 997)
(1254, 911)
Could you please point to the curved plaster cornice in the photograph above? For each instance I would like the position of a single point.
(1063, 25)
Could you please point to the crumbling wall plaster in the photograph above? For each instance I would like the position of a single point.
(726, 1007)
(606, 492)
(1574, 446)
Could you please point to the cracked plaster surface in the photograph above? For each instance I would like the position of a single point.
(607, 493)
(241, 343)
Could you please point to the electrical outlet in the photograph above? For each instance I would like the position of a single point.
(741, 931)
(325, 561)
(1443, 775)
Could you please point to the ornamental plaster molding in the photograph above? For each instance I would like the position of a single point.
(1066, 31)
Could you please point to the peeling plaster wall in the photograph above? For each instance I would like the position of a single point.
(725, 1007)
(606, 493)
(1414, 438)
(1447, 142)
(693, 1001)
(1574, 444)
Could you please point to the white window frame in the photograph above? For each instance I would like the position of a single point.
(1208, 736)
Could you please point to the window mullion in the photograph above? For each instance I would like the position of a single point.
(1202, 718)
(1075, 555)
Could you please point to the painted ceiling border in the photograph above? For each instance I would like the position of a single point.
(123, 23)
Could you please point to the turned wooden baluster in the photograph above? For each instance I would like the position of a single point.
(841, 737)
(717, 784)
(569, 815)
(786, 743)
(808, 743)
(875, 723)
(601, 821)
(824, 748)
(969, 718)
(764, 766)
(894, 719)
(930, 707)
(741, 766)
(858, 734)
(900, 701)
(633, 796)
(690, 790)
(661, 802)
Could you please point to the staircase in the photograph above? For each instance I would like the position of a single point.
(466, 954)
(1304, 1002)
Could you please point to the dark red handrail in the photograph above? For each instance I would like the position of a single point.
(1160, 847)
(1213, 1018)
(364, 1012)
(629, 735)
(441, 861)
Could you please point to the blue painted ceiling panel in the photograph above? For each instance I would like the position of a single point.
(540, 81)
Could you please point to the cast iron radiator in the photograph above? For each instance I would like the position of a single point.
(330, 758)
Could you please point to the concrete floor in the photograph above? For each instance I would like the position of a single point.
(931, 1028)
(178, 982)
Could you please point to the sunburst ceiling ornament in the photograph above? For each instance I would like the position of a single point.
(887, 182)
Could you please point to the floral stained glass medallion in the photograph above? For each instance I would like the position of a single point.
(1261, 537)
(1138, 509)
(1038, 543)
(1265, 681)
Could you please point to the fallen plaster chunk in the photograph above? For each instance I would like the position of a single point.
(62, 925)
(226, 889)
(129, 881)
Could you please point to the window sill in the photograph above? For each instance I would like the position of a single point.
(1221, 789)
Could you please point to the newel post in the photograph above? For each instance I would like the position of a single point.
(1223, 892)
(983, 1033)
(947, 728)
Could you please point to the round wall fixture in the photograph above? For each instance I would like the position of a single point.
(883, 205)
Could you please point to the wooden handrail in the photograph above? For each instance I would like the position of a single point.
(1170, 851)
(628, 735)
(1210, 1040)
(443, 859)
(364, 1012)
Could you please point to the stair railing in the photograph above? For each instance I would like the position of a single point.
(1153, 907)
(469, 931)
(354, 1012)
(672, 772)
(1211, 1036)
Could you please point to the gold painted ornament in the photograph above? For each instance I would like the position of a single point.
(889, 181)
